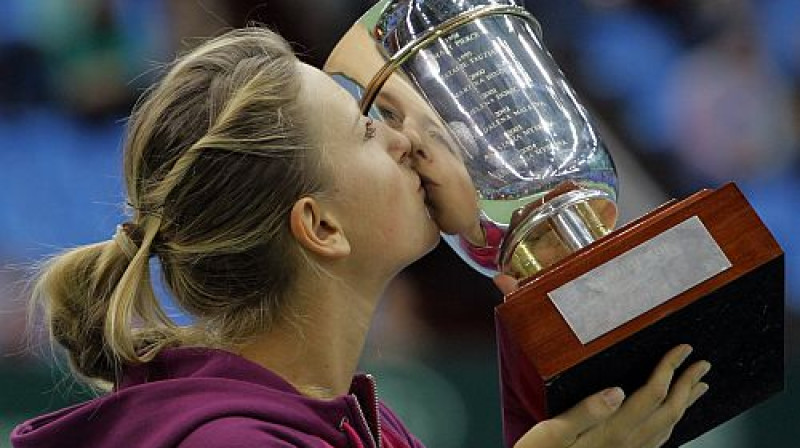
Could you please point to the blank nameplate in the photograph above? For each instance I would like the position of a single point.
(639, 280)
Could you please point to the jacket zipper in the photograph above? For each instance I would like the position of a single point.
(373, 390)
(376, 407)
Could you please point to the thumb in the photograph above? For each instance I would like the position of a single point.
(564, 429)
(505, 283)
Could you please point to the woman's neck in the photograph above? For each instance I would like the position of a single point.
(317, 347)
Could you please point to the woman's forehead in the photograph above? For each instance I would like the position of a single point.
(330, 106)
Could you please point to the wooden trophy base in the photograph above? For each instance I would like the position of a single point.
(733, 318)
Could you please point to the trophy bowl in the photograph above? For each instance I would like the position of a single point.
(499, 128)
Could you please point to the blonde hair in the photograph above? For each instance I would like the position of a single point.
(216, 154)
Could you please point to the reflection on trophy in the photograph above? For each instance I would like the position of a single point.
(520, 182)
(483, 85)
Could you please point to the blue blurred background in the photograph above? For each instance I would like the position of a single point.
(691, 93)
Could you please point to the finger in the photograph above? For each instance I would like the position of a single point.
(560, 189)
(593, 409)
(563, 430)
(506, 283)
(686, 390)
(650, 396)
(681, 395)
(698, 391)
(657, 441)
(660, 439)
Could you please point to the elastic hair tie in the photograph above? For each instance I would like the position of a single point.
(129, 238)
(155, 211)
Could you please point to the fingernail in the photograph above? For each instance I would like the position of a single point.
(705, 368)
(613, 397)
(687, 350)
(702, 388)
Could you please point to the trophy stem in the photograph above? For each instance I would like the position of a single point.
(573, 231)
(556, 229)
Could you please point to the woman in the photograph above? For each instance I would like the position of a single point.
(278, 214)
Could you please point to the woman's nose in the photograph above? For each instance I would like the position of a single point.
(399, 142)
(418, 150)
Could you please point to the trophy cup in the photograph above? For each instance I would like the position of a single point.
(520, 182)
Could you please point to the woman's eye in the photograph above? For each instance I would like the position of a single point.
(391, 117)
(437, 135)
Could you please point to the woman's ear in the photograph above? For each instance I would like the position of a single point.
(317, 230)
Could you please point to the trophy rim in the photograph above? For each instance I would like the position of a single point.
(369, 21)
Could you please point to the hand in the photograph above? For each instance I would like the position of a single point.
(645, 420)
(505, 283)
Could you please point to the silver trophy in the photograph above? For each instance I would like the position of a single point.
(518, 178)
(515, 172)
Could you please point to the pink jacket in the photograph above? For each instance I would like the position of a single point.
(198, 397)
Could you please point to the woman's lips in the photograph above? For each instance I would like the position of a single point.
(425, 185)
(426, 181)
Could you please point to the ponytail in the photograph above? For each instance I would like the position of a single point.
(216, 155)
(93, 295)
